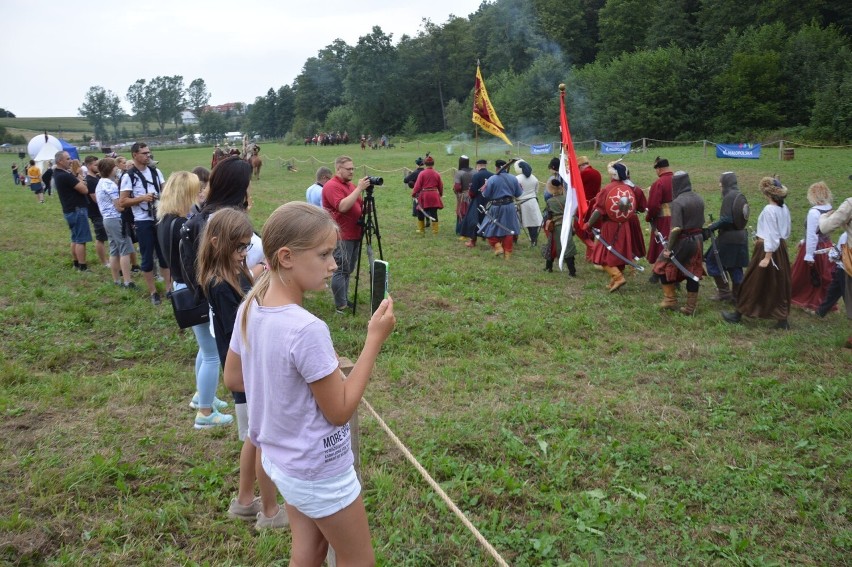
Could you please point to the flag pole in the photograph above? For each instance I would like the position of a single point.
(476, 137)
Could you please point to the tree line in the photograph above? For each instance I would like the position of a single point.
(667, 69)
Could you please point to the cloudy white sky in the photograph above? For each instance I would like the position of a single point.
(52, 51)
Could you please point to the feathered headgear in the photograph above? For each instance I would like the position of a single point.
(771, 187)
(619, 172)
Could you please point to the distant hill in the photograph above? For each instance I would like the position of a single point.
(70, 128)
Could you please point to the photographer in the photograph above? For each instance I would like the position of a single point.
(140, 190)
(342, 199)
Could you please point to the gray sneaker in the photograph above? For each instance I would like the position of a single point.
(155, 298)
(241, 512)
(279, 520)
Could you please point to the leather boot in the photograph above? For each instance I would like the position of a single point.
(691, 302)
(782, 324)
(669, 297)
(723, 293)
(421, 225)
(498, 249)
(507, 254)
(572, 268)
(548, 265)
(616, 278)
(435, 227)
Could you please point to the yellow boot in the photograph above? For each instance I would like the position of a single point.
(434, 227)
(616, 278)
(669, 297)
(421, 225)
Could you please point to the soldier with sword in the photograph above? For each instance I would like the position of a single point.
(681, 258)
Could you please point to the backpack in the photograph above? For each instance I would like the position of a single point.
(127, 213)
(188, 251)
(188, 304)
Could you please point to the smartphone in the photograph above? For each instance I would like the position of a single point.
(379, 287)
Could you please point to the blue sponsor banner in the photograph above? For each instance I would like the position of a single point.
(539, 149)
(738, 151)
(615, 147)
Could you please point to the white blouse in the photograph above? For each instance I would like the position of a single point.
(773, 226)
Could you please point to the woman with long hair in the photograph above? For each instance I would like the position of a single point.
(177, 198)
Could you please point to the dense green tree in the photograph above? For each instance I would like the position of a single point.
(96, 109)
(168, 100)
(141, 98)
(115, 112)
(507, 33)
(528, 103)
(751, 93)
(285, 110)
(831, 118)
(639, 94)
(197, 96)
(623, 27)
(6, 114)
(572, 25)
(343, 119)
(672, 23)
(212, 125)
(319, 87)
(812, 58)
(371, 69)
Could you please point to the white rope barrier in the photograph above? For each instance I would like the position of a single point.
(435, 486)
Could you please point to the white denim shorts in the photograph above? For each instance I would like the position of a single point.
(315, 499)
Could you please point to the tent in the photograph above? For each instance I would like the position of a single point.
(44, 147)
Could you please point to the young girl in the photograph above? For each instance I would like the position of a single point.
(225, 279)
(299, 403)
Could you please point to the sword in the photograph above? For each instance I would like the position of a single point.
(488, 216)
(716, 254)
(423, 211)
(662, 240)
(614, 252)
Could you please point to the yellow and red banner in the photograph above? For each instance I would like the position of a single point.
(484, 115)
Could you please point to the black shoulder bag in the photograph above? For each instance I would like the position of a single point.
(190, 308)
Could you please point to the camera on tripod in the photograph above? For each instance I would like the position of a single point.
(376, 181)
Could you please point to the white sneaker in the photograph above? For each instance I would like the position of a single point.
(215, 419)
(217, 403)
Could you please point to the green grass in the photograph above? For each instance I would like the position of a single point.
(572, 426)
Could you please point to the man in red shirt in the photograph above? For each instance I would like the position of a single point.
(342, 199)
(591, 179)
(659, 212)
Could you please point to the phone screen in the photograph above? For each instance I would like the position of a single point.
(380, 284)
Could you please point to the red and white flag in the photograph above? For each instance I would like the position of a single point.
(569, 171)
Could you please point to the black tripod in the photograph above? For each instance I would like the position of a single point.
(369, 222)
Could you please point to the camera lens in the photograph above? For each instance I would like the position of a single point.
(376, 181)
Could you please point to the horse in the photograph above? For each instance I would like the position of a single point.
(254, 160)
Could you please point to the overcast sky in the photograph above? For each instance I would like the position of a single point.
(51, 51)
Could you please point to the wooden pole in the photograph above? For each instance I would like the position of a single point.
(476, 137)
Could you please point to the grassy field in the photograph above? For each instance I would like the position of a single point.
(572, 426)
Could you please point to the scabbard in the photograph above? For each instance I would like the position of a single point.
(615, 252)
